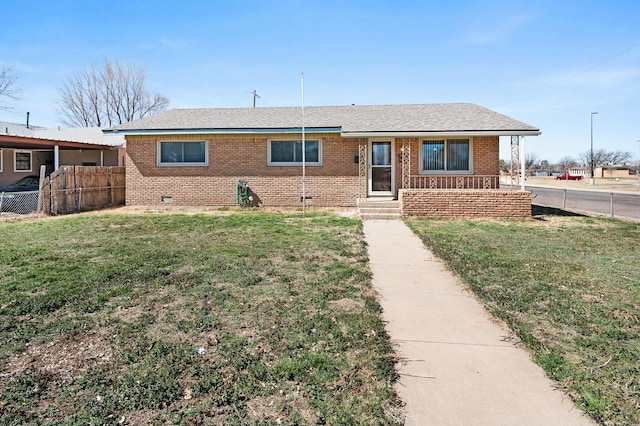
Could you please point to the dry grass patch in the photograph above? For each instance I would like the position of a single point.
(233, 318)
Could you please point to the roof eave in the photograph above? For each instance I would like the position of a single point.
(451, 133)
(223, 131)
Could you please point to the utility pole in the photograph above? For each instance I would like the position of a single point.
(592, 179)
(255, 95)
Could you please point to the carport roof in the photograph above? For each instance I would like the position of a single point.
(19, 136)
(349, 120)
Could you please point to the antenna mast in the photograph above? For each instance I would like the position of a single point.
(255, 95)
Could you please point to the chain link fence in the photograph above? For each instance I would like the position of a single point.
(19, 202)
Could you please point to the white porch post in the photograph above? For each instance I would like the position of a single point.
(56, 157)
(522, 163)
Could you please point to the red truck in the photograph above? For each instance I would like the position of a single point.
(567, 176)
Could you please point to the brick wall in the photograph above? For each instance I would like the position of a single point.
(451, 203)
(233, 157)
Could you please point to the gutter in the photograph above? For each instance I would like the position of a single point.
(464, 133)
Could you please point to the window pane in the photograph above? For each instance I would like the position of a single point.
(283, 151)
(458, 154)
(194, 152)
(433, 155)
(380, 153)
(23, 161)
(311, 152)
(291, 151)
(171, 152)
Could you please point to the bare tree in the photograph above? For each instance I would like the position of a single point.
(602, 157)
(531, 160)
(8, 79)
(566, 163)
(109, 96)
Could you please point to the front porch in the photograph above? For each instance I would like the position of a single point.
(424, 192)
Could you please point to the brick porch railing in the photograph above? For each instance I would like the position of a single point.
(455, 182)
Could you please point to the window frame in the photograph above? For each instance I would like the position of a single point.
(445, 171)
(15, 161)
(159, 162)
(294, 163)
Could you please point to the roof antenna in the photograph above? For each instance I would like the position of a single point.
(255, 95)
(28, 119)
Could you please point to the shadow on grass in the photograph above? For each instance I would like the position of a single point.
(537, 210)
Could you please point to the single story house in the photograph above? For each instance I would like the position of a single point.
(436, 159)
(25, 148)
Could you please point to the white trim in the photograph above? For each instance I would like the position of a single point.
(294, 163)
(159, 163)
(442, 135)
(370, 191)
(22, 151)
(421, 171)
(1, 157)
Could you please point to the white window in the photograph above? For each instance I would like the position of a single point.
(22, 161)
(289, 152)
(446, 155)
(191, 153)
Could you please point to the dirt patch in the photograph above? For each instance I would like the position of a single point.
(347, 304)
(63, 356)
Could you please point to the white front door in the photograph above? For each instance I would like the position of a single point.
(381, 168)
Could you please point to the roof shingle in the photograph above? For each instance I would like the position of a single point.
(416, 118)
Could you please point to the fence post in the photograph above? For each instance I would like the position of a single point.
(79, 198)
(611, 203)
(1, 199)
(564, 199)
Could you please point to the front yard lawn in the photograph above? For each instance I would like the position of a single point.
(569, 287)
(247, 318)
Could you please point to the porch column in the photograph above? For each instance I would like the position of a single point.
(515, 159)
(406, 164)
(522, 163)
(56, 157)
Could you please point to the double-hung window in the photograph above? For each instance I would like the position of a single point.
(22, 161)
(191, 153)
(289, 152)
(446, 155)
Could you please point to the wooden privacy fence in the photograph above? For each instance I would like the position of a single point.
(73, 189)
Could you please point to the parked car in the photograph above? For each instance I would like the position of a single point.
(21, 196)
(567, 176)
(27, 183)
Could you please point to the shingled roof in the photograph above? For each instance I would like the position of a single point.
(351, 120)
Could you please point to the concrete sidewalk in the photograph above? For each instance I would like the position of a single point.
(458, 366)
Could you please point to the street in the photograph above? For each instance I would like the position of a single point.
(626, 205)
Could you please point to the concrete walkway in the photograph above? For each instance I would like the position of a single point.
(458, 366)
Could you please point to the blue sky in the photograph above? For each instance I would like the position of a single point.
(547, 63)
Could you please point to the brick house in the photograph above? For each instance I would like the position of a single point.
(436, 159)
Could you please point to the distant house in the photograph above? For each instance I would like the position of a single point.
(23, 149)
(436, 159)
(613, 172)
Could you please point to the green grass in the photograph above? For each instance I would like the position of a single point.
(570, 289)
(101, 317)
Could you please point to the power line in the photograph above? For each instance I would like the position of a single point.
(572, 77)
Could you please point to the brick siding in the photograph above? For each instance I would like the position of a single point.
(234, 157)
(335, 183)
(451, 203)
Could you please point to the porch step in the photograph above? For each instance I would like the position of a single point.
(387, 210)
